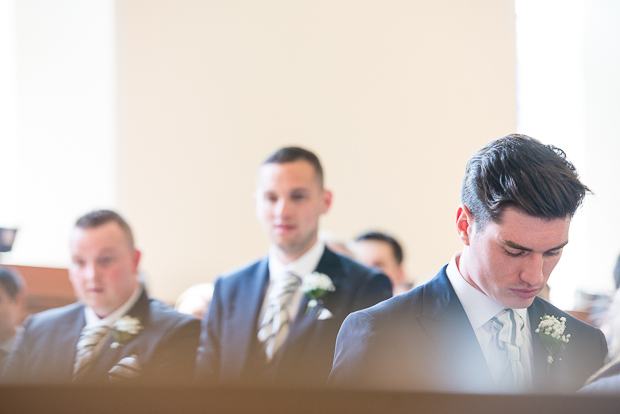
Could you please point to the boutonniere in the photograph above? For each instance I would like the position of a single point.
(551, 332)
(315, 286)
(125, 329)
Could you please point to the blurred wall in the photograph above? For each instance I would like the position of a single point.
(394, 96)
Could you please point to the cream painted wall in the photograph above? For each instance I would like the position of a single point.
(393, 96)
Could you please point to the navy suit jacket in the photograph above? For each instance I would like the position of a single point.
(423, 340)
(165, 348)
(229, 351)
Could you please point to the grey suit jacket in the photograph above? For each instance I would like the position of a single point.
(423, 340)
(165, 348)
(229, 351)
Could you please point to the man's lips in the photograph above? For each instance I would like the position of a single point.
(525, 293)
(284, 228)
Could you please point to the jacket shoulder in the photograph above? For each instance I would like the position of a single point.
(51, 316)
(162, 313)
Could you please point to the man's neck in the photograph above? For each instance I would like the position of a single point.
(461, 263)
(290, 257)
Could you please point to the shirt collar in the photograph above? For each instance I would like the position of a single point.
(301, 267)
(93, 320)
(479, 307)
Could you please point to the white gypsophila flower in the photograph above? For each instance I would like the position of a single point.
(315, 286)
(551, 332)
(317, 281)
(129, 325)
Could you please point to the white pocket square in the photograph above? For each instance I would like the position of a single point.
(127, 368)
(325, 314)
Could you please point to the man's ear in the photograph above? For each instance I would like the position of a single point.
(327, 201)
(136, 259)
(464, 224)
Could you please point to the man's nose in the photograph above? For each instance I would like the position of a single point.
(282, 207)
(533, 272)
(91, 271)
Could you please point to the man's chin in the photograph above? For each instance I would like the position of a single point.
(518, 303)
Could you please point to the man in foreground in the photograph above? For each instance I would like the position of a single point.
(274, 322)
(115, 332)
(475, 326)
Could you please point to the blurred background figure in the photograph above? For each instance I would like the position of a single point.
(195, 300)
(12, 300)
(607, 379)
(382, 251)
(336, 243)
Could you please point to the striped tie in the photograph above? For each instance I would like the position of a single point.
(275, 325)
(507, 326)
(89, 338)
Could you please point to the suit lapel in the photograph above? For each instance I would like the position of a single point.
(544, 379)
(303, 327)
(448, 327)
(69, 330)
(108, 356)
(247, 306)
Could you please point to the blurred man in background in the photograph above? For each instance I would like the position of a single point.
(12, 301)
(380, 250)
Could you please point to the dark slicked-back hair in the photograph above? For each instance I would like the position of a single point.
(397, 250)
(292, 154)
(100, 217)
(519, 171)
(11, 281)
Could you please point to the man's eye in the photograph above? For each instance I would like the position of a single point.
(298, 197)
(553, 253)
(105, 260)
(514, 254)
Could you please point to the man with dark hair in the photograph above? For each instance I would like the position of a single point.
(478, 326)
(380, 250)
(12, 299)
(115, 332)
(274, 322)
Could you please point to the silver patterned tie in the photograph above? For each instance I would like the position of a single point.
(275, 325)
(89, 338)
(507, 326)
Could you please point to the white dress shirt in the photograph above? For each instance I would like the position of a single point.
(480, 309)
(301, 267)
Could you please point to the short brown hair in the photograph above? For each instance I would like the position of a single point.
(11, 281)
(519, 171)
(292, 154)
(100, 217)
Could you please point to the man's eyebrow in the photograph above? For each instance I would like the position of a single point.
(527, 249)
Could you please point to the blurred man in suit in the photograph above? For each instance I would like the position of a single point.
(380, 250)
(475, 326)
(115, 332)
(12, 299)
(261, 330)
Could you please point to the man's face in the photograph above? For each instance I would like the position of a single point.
(512, 261)
(379, 254)
(289, 201)
(103, 268)
(9, 314)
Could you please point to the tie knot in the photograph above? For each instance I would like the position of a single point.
(92, 335)
(286, 285)
(508, 327)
